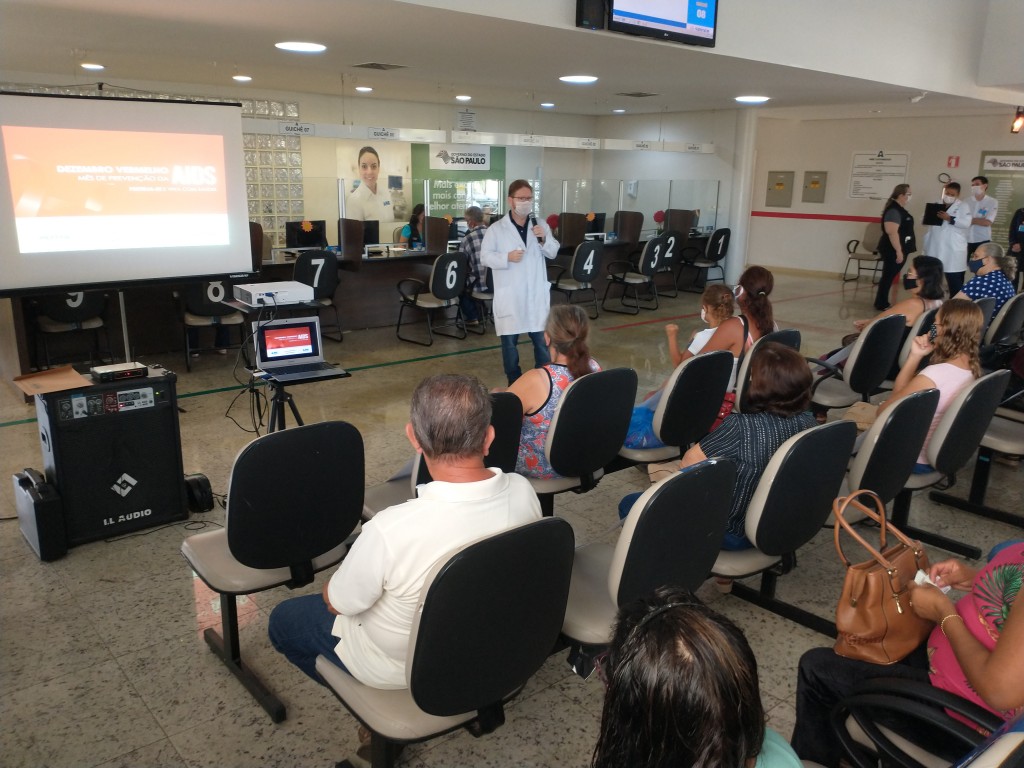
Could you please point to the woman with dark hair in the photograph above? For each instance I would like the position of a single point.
(682, 690)
(540, 389)
(367, 202)
(778, 400)
(412, 233)
(897, 241)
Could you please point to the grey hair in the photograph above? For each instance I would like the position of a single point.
(450, 413)
(474, 214)
(1007, 264)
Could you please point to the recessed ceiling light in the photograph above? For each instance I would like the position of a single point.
(547, 104)
(91, 67)
(242, 78)
(299, 47)
(578, 79)
(618, 111)
(364, 89)
(463, 97)
(752, 99)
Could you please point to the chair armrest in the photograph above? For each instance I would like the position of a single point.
(410, 288)
(851, 246)
(690, 253)
(555, 272)
(831, 372)
(616, 269)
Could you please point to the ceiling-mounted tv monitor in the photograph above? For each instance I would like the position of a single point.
(691, 22)
(98, 192)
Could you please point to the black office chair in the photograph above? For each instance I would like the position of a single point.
(447, 279)
(675, 241)
(715, 251)
(293, 499)
(583, 271)
(788, 336)
(631, 279)
(71, 313)
(485, 625)
(319, 269)
(203, 307)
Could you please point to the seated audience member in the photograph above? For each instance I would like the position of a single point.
(541, 389)
(363, 619)
(974, 651)
(412, 233)
(682, 690)
(926, 283)
(716, 306)
(777, 408)
(954, 362)
(477, 278)
(995, 273)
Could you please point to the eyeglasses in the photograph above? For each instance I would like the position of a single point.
(524, 199)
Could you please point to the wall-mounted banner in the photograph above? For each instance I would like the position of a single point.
(1005, 173)
(460, 157)
(874, 174)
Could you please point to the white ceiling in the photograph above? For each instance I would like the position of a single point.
(500, 63)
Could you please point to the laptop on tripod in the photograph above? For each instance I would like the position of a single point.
(290, 350)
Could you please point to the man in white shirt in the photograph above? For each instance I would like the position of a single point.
(949, 241)
(983, 213)
(363, 619)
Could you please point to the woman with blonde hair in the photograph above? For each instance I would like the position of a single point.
(953, 343)
(540, 389)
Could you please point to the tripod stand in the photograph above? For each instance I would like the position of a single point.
(277, 403)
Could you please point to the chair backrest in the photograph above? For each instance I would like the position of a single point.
(207, 299)
(350, 238)
(674, 531)
(692, 398)
(590, 422)
(872, 234)
(448, 276)
(718, 244)
(586, 261)
(987, 304)
(652, 258)
(507, 420)
(486, 624)
(1006, 326)
(680, 220)
(318, 269)
(892, 444)
(294, 495)
(919, 326)
(627, 226)
(73, 306)
(873, 354)
(675, 242)
(788, 336)
(572, 227)
(794, 496)
(256, 242)
(396, 234)
(435, 234)
(959, 431)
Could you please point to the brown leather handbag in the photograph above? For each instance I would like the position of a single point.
(874, 619)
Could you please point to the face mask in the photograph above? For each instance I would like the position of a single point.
(909, 198)
(948, 199)
(703, 315)
(975, 264)
(524, 209)
(737, 291)
(978, 192)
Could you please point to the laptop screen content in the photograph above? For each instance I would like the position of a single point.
(284, 341)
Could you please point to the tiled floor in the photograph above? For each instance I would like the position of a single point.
(101, 656)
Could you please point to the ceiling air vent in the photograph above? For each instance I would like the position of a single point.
(637, 94)
(380, 67)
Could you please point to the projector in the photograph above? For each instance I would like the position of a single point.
(273, 294)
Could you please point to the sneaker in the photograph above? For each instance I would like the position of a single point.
(194, 355)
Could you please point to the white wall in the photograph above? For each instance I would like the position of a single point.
(828, 145)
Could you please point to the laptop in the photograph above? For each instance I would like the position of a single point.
(290, 350)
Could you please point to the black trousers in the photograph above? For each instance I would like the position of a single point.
(823, 680)
(889, 271)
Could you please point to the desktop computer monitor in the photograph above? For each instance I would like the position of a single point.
(371, 232)
(597, 225)
(305, 234)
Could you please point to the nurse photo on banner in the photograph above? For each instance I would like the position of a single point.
(369, 201)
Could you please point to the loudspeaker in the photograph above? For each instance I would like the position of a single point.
(591, 14)
(113, 452)
(200, 494)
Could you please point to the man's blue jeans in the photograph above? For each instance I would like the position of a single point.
(300, 628)
(510, 354)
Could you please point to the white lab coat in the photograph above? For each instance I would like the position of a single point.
(948, 243)
(522, 294)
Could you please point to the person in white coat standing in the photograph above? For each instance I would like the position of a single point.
(949, 241)
(516, 248)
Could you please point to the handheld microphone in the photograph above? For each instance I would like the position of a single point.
(533, 223)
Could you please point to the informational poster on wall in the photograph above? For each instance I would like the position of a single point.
(874, 174)
(1005, 173)
(376, 179)
(459, 175)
